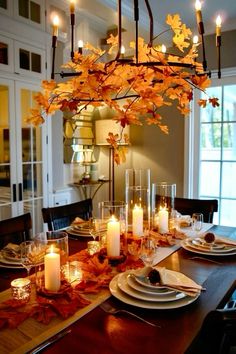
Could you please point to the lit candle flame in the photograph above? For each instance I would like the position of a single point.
(72, 6)
(195, 39)
(198, 5)
(80, 43)
(163, 48)
(122, 49)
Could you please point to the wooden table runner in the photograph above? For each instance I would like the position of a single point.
(31, 333)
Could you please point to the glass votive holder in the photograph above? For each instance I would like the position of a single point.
(72, 271)
(114, 215)
(53, 247)
(163, 197)
(21, 289)
(93, 247)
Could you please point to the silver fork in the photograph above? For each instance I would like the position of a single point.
(205, 259)
(108, 308)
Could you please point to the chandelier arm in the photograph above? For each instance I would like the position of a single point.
(150, 23)
(119, 29)
(136, 19)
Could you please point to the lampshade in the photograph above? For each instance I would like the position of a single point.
(105, 126)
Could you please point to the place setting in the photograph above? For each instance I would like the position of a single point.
(155, 288)
(10, 256)
(210, 244)
(79, 228)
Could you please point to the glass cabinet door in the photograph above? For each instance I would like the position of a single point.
(30, 168)
(21, 162)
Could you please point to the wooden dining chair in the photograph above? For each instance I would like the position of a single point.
(217, 334)
(15, 230)
(62, 216)
(205, 206)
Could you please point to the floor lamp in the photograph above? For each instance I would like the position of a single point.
(102, 128)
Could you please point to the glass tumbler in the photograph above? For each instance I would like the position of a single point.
(197, 221)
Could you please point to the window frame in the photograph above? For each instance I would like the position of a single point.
(10, 66)
(192, 137)
(30, 49)
(40, 25)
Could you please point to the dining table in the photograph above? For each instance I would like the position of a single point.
(176, 328)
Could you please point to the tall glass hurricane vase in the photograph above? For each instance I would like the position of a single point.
(137, 197)
(163, 199)
(54, 258)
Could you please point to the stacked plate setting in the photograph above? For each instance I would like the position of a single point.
(82, 230)
(218, 248)
(10, 260)
(132, 290)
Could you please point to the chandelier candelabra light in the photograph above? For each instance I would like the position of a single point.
(134, 88)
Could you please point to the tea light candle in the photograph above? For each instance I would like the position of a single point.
(52, 271)
(137, 221)
(113, 237)
(163, 220)
(21, 289)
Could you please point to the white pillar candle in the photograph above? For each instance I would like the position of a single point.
(137, 221)
(113, 237)
(52, 271)
(163, 220)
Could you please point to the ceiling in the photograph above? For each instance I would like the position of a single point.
(186, 10)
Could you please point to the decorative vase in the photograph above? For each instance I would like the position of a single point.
(53, 254)
(163, 197)
(137, 197)
(113, 214)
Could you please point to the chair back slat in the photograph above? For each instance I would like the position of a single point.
(62, 216)
(205, 206)
(15, 230)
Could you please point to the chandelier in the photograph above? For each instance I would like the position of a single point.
(136, 87)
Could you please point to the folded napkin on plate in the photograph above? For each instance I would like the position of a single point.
(226, 241)
(220, 239)
(174, 280)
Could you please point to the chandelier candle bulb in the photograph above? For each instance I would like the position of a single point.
(55, 24)
(72, 6)
(218, 26)
(163, 220)
(52, 271)
(113, 237)
(80, 46)
(137, 221)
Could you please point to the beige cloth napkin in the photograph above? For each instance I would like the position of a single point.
(225, 240)
(178, 281)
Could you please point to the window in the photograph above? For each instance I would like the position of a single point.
(30, 10)
(3, 53)
(29, 59)
(6, 54)
(213, 141)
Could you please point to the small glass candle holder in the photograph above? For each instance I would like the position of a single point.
(53, 247)
(93, 247)
(21, 289)
(72, 271)
(114, 215)
(163, 198)
(137, 197)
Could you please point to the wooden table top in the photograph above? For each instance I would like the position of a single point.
(98, 332)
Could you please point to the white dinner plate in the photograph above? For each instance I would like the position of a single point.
(79, 233)
(124, 286)
(216, 248)
(187, 246)
(143, 289)
(120, 295)
(5, 263)
(9, 260)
